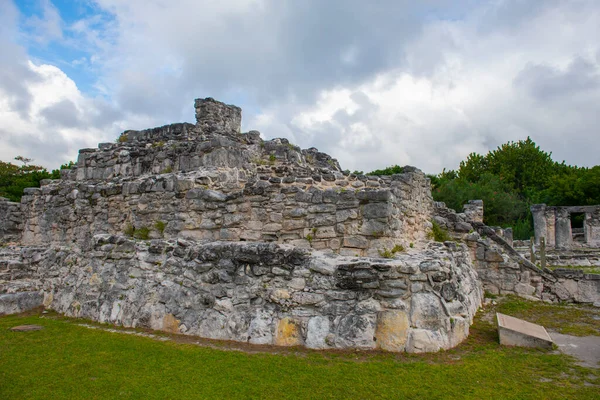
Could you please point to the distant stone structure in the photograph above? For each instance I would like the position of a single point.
(203, 230)
(554, 224)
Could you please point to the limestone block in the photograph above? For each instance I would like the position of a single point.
(288, 333)
(325, 232)
(560, 291)
(356, 331)
(317, 332)
(459, 332)
(15, 303)
(358, 242)
(306, 298)
(493, 256)
(170, 323)
(291, 224)
(588, 290)
(392, 330)
(426, 341)
(377, 210)
(524, 289)
(427, 312)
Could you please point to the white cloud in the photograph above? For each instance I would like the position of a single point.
(421, 83)
(49, 26)
(59, 120)
(463, 91)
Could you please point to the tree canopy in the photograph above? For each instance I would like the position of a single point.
(511, 178)
(15, 178)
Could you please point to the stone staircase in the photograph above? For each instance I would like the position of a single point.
(576, 257)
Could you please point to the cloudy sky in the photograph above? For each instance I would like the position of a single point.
(372, 83)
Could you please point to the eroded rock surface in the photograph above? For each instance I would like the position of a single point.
(200, 229)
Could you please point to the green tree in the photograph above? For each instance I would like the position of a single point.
(14, 178)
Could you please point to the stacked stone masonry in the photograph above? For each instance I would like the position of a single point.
(203, 230)
(262, 293)
(502, 270)
(11, 221)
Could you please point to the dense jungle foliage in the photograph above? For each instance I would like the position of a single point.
(510, 179)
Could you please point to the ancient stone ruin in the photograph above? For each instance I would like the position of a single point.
(202, 230)
(554, 224)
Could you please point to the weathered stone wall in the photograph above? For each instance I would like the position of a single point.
(348, 214)
(473, 210)
(502, 270)
(209, 182)
(263, 293)
(11, 221)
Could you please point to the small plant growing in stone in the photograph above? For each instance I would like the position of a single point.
(142, 233)
(385, 253)
(272, 159)
(258, 161)
(167, 170)
(160, 227)
(438, 233)
(377, 234)
(398, 248)
(158, 144)
(123, 138)
(310, 238)
(314, 231)
(129, 230)
(411, 245)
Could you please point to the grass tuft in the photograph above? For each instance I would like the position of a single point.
(438, 233)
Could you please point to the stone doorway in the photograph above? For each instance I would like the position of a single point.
(577, 227)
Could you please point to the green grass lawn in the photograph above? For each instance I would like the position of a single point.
(65, 360)
(569, 319)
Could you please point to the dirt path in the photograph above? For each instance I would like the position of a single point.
(586, 349)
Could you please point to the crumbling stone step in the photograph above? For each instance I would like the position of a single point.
(517, 332)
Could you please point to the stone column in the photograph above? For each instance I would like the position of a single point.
(539, 221)
(214, 116)
(564, 236)
(550, 215)
(591, 228)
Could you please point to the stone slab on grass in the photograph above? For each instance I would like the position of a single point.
(26, 328)
(516, 332)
